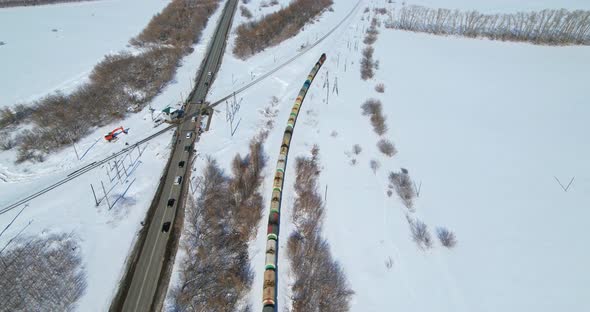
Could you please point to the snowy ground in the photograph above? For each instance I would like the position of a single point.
(484, 125)
(36, 60)
(107, 236)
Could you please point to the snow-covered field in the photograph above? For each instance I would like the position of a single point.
(484, 125)
(54, 47)
(106, 236)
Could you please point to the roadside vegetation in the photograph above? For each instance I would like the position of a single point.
(277, 27)
(319, 281)
(216, 273)
(120, 84)
(547, 27)
(42, 274)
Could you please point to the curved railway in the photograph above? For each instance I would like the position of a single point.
(269, 291)
(99, 163)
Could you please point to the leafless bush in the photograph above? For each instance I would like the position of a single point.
(380, 87)
(447, 238)
(318, 277)
(14, 3)
(389, 263)
(357, 149)
(374, 109)
(551, 27)
(180, 24)
(420, 233)
(386, 147)
(14, 116)
(42, 274)
(274, 28)
(217, 272)
(381, 11)
(119, 84)
(334, 133)
(371, 33)
(245, 12)
(367, 63)
(403, 187)
(6, 142)
(375, 165)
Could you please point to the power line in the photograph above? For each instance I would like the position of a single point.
(187, 118)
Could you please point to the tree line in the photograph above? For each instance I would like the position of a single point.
(120, 84)
(277, 27)
(319, 282)
(14, 3)
(216, 275)
(549, 27)
(42, 274)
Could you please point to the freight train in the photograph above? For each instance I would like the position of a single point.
(269, 292)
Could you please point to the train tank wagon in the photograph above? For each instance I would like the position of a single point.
(269, 291)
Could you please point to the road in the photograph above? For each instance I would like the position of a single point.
(144, 282)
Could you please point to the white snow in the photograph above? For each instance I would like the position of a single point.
(107, 236)
(484, 125)
(36, 60)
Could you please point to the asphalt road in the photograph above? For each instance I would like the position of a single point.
(141, 292)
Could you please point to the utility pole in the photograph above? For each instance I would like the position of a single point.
(94, 193)
(105, 194)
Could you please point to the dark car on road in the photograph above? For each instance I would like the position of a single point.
(166, 227)
(181, 164)
(171, 202)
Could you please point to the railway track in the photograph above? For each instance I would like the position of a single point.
(79, 172)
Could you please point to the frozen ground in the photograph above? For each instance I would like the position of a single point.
(36, 60)
(484, 125)
(107, 235)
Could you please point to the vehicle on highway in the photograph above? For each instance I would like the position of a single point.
(166, 227)
(178, 180)
(200, 102)
(194, 119)
(181, 164)
(189, 135)
(171, 202)
(209, 74)
(187, 148)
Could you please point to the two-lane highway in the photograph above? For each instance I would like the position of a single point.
(144, 282)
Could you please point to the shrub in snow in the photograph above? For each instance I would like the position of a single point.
(447, 238)
(374, 109)
(386, 147)
(403, 187)
(420, 233)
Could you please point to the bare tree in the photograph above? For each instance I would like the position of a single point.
(375, 165)
(403, 187)
(380, 87)
(374, 109)
(319, 279)
(420, 233)
(551, 27)
(447, 238)
(277, 27)
(42, 273)
(357, 149)
(386, 147)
